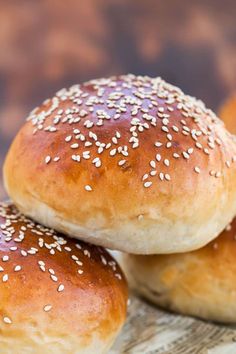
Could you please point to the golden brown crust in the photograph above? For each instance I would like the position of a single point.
(120, 161)
(201, 283)
(227, 113)
(54, 291)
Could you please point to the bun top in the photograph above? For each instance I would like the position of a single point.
(115, 156)
(120, 117)
(54, 291)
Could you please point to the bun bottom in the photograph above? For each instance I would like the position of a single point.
(141, 237)
(201, 283)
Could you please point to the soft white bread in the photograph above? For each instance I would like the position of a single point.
(57, 296)
(129, 163)
(201, 283)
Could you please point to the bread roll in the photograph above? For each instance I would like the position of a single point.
(56, 295)
(129, 163)
(201, 283)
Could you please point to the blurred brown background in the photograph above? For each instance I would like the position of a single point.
(48, 44)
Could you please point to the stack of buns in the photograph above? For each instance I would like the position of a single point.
(128, 163)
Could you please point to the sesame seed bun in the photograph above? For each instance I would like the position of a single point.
(129, 163)
(56, 295)
(201, 283)
(228, 113)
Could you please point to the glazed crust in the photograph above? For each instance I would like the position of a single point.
(56, 295)
(129, 163)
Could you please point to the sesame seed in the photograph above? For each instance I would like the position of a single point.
(158, 157)
(167, 177)
(176, 129)
(17, 268)
(98, 164)
(165, 121)
(197, 169)
(7, 320)
(153, 164)
(113, 152)
(41, 263)
(104, 261)
(47, 308)
(53, 277)
(88, 188)
(118, 135)
(190, 151)
(198, 145)
(68, 249)
(166, 162)
(87, 143)
(47, 159)
(68, 138)
(145, 176)
(60, 288)
(76, 158)
(121, 162)
(164, 129)
(147, 184)
(185, 155)
(74, 257)
(118, 276)
(5, 278)
(74, 146)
